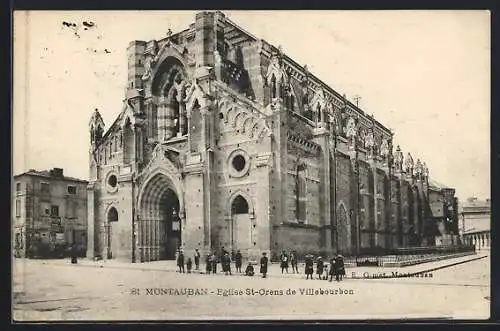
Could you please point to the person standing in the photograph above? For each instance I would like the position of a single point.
(333, 267)
(340, 267)
(284, 262)
(319, 267)
(74, 255)
(293, 261)
(180, 261)
(325, 277)
(197, 256)
(263, 265)
(189, 265)
(226, 264)
(208, 263)
(309, 266)
(214, 263)
(237, 260)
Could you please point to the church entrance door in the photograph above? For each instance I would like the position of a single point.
(169, 225)
(241, 225)
(159, 224)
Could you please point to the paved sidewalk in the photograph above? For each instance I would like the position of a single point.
(274, 271)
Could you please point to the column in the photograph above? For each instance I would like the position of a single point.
(182, 119)
(90, 221)
(321, 137)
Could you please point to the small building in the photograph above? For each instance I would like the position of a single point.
(476, 222)
(50, 208)
(444, 213)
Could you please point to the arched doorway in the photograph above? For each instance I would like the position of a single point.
(159, 224)
(241, 236)
(112, 217)
(343, 230)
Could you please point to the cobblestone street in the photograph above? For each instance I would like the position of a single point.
(47, 290)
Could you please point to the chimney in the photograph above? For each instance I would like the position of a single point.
(57, 172)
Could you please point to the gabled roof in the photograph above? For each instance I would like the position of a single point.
(47, 174)
(435, 185)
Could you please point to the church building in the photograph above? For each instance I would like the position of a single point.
(225, 141)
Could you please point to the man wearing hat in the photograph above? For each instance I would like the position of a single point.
(339, 263)
(263, 265)
(319, 267)
(309, 266)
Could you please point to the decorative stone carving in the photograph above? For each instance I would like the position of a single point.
(409, 164)
(351, 130)
(159, 158)
(419, 170)
(217, 57)
(195, 93)
(96, 126)
(147, 69)
(384, 148)
(370, 142)
(318, 100)
(425, 170)
(275, 68)
(398, 159)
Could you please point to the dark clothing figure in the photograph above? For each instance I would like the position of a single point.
(284, 262)
(208, 264)
(189, 265)
(214, 263)
(74, 254)
(180, 262)
(197, 256)
(340, 272)
(263, 265)
(237, 261)
(309, 267)
(319, 268)
(226, 264)
(337, 268)
(333, 267)
(293, 262)
(249, 271)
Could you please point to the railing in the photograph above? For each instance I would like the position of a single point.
(384, 257)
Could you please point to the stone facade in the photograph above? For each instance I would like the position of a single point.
(476, 222)
(47, 204)
(223, 140)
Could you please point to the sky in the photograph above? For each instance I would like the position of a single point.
(423, 74)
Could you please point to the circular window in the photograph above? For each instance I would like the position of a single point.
(112, 181)
(239, 163)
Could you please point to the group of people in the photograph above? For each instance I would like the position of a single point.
(336, 265)
(324, 270)
(211, 261)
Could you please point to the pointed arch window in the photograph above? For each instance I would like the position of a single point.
(301, 193)
(239, 206)
(273, 87)
(112, 215)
